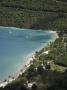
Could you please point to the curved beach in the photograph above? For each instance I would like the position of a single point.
(27, 62)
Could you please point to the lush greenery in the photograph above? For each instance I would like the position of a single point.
(44, 14)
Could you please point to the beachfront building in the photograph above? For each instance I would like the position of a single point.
(32, 86)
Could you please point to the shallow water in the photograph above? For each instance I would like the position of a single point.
(16, 44)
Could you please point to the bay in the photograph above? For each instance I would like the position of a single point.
(16, 44)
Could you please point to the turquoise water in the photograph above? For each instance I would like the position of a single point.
(16, 44)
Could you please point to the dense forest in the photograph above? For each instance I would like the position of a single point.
(44, 14)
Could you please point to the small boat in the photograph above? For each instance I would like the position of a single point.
(10, 32)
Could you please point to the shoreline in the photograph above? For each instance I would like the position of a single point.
(28, 61)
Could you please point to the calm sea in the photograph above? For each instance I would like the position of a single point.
(16, 44)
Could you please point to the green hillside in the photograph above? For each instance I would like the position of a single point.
(44, 14)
